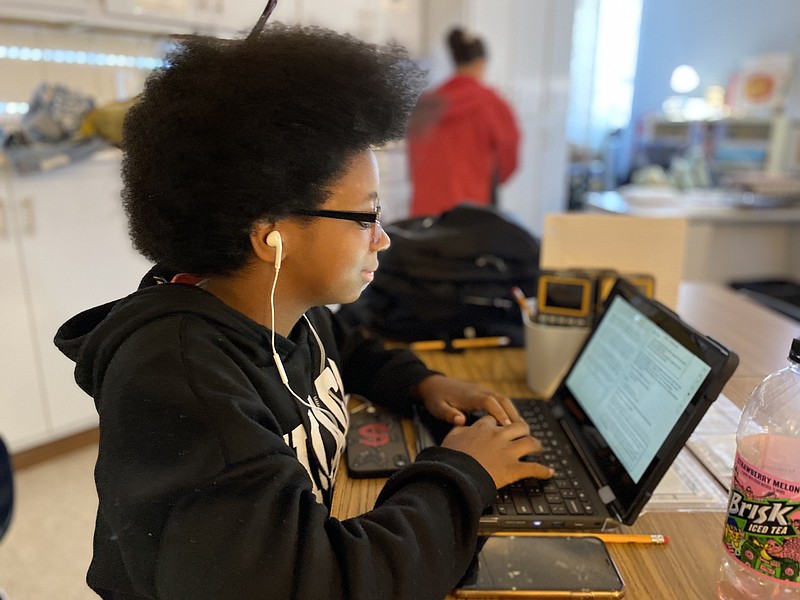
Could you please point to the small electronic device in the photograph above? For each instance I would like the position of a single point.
(643, 282)
(566, 298)
(375, 443)
(575, 297)
(542, 567)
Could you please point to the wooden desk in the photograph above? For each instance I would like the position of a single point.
(686, 568)
(759, 335)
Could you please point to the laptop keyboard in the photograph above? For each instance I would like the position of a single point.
(564, 494)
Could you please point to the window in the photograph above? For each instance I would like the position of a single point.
(605, 43)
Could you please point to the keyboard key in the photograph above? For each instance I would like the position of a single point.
(574, 507)
(534, 487)
(522, 504)
(540, 507)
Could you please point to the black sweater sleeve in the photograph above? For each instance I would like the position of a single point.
(385, 376)
(253, 539)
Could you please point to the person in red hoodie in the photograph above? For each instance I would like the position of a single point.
(463, 138)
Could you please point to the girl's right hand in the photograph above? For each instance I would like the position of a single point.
(499, 448)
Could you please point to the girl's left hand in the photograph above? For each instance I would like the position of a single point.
(447, 399)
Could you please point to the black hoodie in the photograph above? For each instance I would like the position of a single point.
(213, 480)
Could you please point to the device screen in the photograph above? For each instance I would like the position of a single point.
(634, 381)
(565, 295)
(509, 566)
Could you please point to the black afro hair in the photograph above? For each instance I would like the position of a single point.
(230, 132)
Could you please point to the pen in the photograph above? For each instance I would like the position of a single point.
(609, 538)
(519, 296)
(461, 343)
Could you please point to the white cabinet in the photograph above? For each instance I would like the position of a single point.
(165, 16)
(151, 16)
(55, 11)
(377, 21)
(397, 21)
(22, 410)
(72, 252)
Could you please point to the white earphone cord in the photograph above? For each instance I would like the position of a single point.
(278, 363)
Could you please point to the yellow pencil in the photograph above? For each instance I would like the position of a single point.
(461, 343)
(609, 538)
(519, 296)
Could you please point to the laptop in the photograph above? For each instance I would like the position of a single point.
(623, 411)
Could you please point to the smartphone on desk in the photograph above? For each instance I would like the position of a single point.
(542, 567)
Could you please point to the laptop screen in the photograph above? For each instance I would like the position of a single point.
(634, 381)
(636, 391)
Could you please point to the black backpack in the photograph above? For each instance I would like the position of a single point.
(450, 277)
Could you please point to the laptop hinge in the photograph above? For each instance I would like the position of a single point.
(599, 482)
(606, 494)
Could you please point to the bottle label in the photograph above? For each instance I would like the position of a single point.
(763, 525)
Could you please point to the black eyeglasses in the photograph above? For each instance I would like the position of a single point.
(368, 220)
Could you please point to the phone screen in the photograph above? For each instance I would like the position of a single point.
(511, 566)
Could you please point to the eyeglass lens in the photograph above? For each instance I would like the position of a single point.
(377, 230)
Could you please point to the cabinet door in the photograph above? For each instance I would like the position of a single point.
(77, 254)
(375, 22)
(235, 18)
(22, 414)
(43, 10)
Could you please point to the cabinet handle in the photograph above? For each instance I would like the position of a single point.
(29, 217)
(3, 223)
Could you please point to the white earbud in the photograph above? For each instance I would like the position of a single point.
(274, 240)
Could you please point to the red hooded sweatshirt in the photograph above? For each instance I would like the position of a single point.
(462, 142)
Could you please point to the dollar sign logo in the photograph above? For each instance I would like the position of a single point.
(374, 434)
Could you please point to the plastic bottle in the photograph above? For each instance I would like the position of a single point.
(761, 538)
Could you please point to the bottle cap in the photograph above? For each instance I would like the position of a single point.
(794, 353)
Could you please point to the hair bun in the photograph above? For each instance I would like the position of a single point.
(456, 39)
(464, 47)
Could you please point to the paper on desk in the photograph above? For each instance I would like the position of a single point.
(714, 439)
(645, 245)
(709, 450)
(687, 486)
